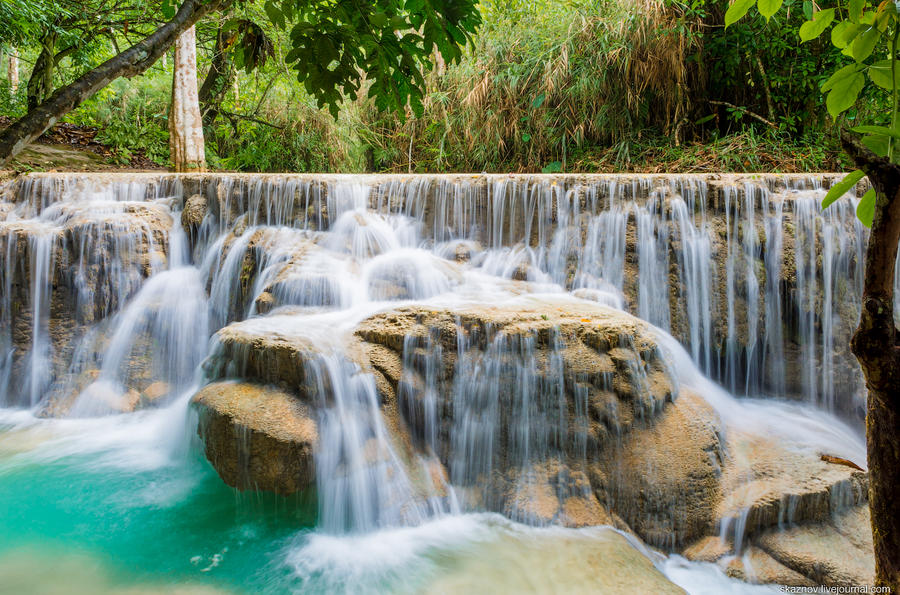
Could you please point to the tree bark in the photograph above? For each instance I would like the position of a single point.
(217, 81)
(40, 83)
(875, 344)
(186, 146)
(13, 70)
(131, 62)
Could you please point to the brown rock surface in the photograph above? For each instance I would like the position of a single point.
(836, 552)
(664, 480)
(257, 437)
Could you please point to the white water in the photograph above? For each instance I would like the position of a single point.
(396, 243)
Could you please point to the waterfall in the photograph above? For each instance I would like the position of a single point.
(116, 298)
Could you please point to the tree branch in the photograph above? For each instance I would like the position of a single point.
(745, 110)
(131, 62)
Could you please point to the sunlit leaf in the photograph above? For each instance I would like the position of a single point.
(877, 143)
(880, 73)
(864, 44)
(820, 21)
(865, 210)
(842, 187)
(737, 11)
(843, 34)
(767, 8)
(840, 75)
(855, 9)
(877, 130)
(844, 94)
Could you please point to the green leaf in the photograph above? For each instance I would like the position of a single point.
(844, 94)
(808, 10)
(539, 100)
(526, 137)
(552, 168)
(820, 21)
(843, 34)
(378, 19)
(877, 130)
(864, 44)
(767, 8)
(737, 11)
(880, 73)
(855, 9)
(274, 14)
(865, 210)
(168, 9)
(878, 143)
(842, 187)
(840, 75)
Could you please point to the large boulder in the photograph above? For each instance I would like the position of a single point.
(257, 437)
(76, 266)
(665, 478)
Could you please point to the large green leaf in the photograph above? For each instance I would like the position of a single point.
(864, 44)
(877, 130)
(843, 34)
(878, 143)
(737, 11)
(880, 73)
(844, 94)
(855, 9)
(865, 210)
(820, 21)
(842, 187)
(842, 74)
(767, 8)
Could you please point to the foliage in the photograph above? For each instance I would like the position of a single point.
(391, 42)
(541, 81)
(867, 33)
(131, 118)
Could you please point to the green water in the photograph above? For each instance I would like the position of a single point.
(108, 507)
(173, 525)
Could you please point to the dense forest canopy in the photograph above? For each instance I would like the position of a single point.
(573, 86)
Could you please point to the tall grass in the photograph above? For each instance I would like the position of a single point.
(540, 85)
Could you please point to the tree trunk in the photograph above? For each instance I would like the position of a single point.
(876, 344)
(40, 83)
(13, 71)
(217, 81)
(131, 62)
(186, 147)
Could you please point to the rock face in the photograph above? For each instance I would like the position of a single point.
(567, 414)
(74, 268)
(257, 437)
(665, 479)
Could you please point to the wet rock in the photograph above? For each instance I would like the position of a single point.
(756, 566)
(664, 480)
(257, 437)
(837, 552)
(195, 209)
(708, 549)
(766, 484)
(592, 561)
(154, 393)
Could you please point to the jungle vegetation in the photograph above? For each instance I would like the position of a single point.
(582, 85)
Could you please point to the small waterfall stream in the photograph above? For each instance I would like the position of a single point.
(119, 295)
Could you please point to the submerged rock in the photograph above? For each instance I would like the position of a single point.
(551, 561)
(257, 437)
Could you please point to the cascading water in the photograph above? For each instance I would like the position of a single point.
(111, 290)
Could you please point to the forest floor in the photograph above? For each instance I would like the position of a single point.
(67, 147)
